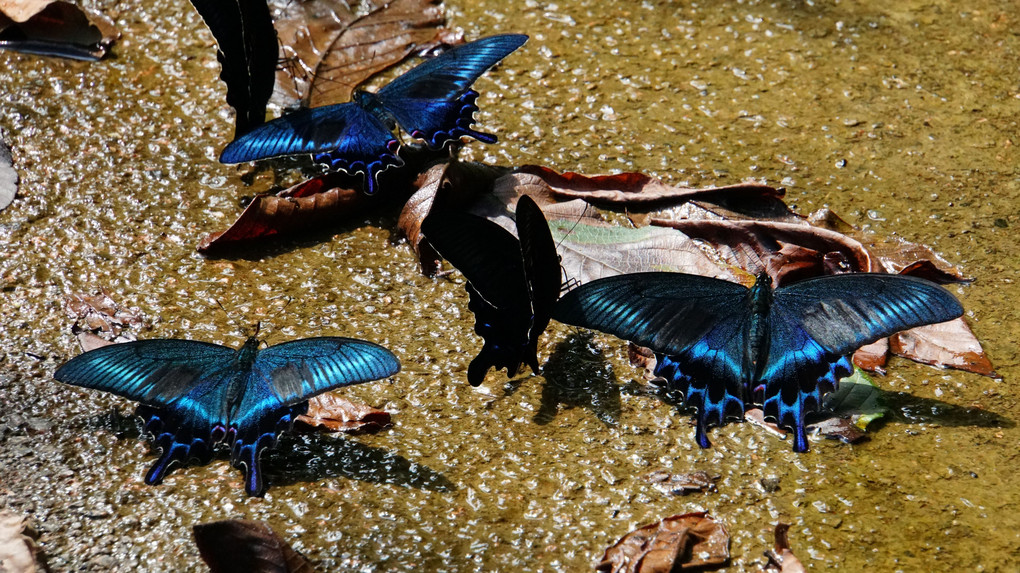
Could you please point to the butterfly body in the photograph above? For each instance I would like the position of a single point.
(513, 282)
(725, 346)
(194, 395)
(432, 102)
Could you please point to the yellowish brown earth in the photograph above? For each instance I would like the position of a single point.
(901, 116)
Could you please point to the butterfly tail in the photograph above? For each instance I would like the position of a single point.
(250, 441)
(789, 399)
(715, 402)
(363, 162)
(177, 443)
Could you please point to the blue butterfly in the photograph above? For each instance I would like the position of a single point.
(194, 394)
(723, 345)
(431, 102)
(512, 284)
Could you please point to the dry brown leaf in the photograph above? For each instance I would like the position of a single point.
(22, 10)
(245, 546)
(783, 559)
(18, 552)
(950, 344)
(332, 412)
(55, 28)
(328, 49)
(677, 543)
(681, 484)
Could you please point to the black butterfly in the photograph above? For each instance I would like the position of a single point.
(432, 102)
(723, 345)
(512, 284)
(196, 394)
(247, 51)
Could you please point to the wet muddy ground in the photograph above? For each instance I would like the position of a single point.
(902, 117)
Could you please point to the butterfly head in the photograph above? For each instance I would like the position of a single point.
(761, 294)
(371, 103)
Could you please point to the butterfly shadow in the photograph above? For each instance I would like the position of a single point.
(905, 408)
(310, 458)
(576, 375)
(313, 457)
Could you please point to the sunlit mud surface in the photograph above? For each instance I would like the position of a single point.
(901, 116)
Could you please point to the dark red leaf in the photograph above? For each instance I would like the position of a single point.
(636, 189)
(244, 546)
(314, 203)
(677, 543)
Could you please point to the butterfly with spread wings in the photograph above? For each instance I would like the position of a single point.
(724, 346)
(194, 395)
(432, 102)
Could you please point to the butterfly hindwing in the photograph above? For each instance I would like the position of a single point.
(696, 325)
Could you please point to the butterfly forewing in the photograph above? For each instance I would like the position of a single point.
(541, 263)
(667, 312)
(153, 372)
(432, 101)
(449, 75)
(300, 369)
(345, 128)
(844, 312)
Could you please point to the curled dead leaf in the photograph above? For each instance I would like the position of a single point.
(692, 540)
(316, 202)
(783, 559)
(18, 551)
(681, 484)
(333, 413)
(245, 546)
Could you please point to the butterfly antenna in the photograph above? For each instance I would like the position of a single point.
(569, 283)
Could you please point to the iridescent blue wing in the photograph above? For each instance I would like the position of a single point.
(344, 136)
(282, 380)
(698, 326)
(433, 102)
(490, 259)
(182, 385)
(818, 322)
